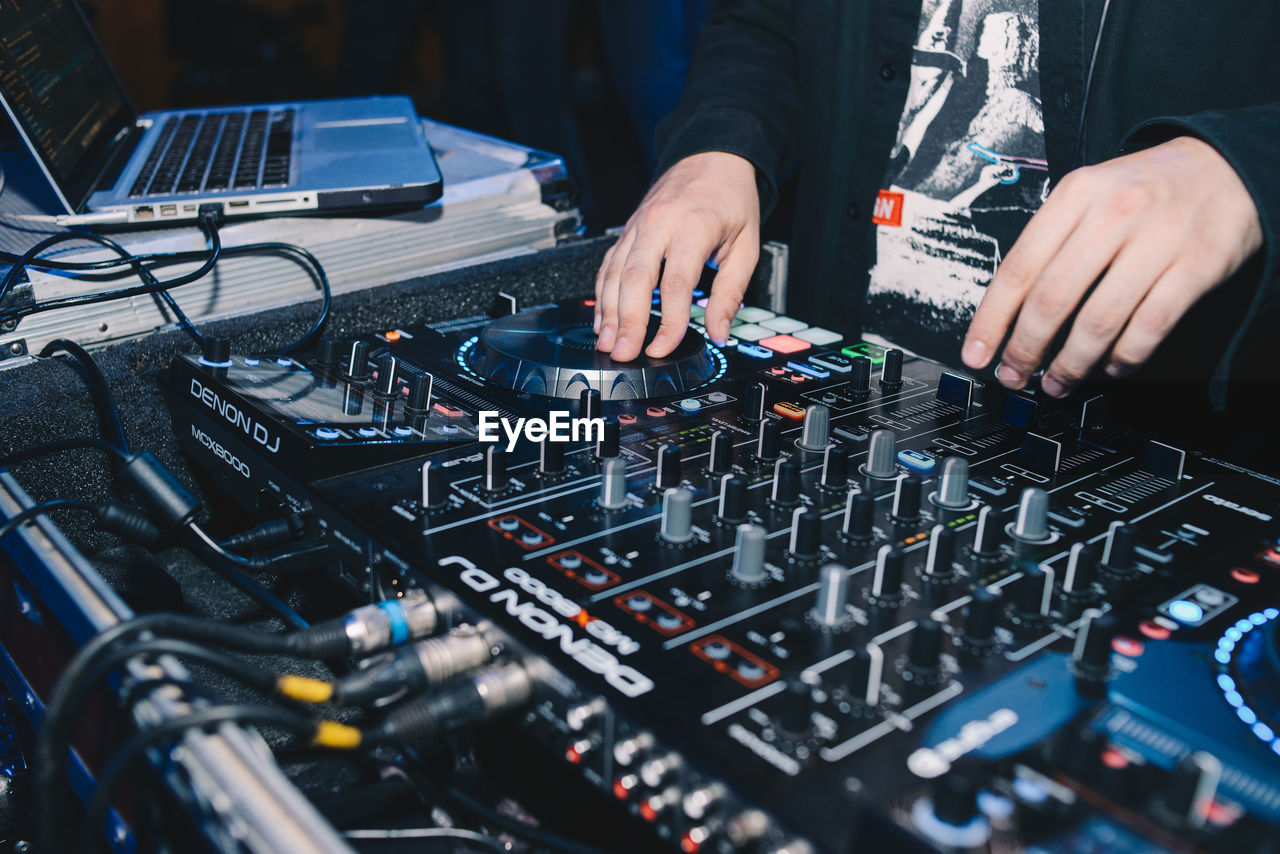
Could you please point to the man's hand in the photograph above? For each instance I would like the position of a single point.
(1161, 227)
(704, 207)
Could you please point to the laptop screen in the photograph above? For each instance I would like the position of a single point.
(60, 90)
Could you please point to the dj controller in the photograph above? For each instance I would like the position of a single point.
(796, 593)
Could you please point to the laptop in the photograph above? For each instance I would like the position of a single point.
(108, 165)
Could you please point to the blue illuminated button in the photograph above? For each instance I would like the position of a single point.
(690, 404)
(818, 373)
(404, 431)
(449, 429)
(1186, 612)
(251, 361)
(917, 461)
(327, 433)
(284, 361)
(755, 351)
(367, 432)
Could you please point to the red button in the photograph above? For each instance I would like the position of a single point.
(1245, 576)
(1155, 631)
(1127, 646)
(626, 418)
(785, 344)
(655, 412)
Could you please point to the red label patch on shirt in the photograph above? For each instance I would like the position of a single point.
(888, 209)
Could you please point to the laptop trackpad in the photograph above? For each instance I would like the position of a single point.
(363, 135)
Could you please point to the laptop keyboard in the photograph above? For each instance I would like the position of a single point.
(217, 152)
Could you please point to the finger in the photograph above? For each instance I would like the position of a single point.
(607, 301)
(1171, 297)
(730, 284)
(1058, 290)
(1133, 273)
(600, 276)
(635, 293)
(1039, 242)
(685, 260)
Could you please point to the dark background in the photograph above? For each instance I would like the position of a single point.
(552, 75)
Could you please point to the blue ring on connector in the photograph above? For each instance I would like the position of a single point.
(399, 625)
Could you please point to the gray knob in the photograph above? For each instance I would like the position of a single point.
(1031, 525)
(613, 486)
(882, 461)
(816, 432)
(677, 515)
(748, 554)
(833, 594)
(953, 484)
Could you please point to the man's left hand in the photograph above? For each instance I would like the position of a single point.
(1162, 227)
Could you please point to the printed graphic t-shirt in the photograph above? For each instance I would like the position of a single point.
(967, 172)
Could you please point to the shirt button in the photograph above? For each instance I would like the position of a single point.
(887, 71)
(853, 211)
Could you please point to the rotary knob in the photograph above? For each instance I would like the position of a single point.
(815, 433)
(1031, 523)
(860, 377)
(882, 460)
(669, 459)
(589, 403)
(613, 484)
(835, 467)
(610, 442)
(748, 555)
(833, 595)
(677, 515)
(891, 370)
(953, 485)
(753, 406)
(767, 441)
(906, 498)
(550, 458)
(388, 384)
(786, 483)
(731, 508)
(806, 532)
(859, 515)
(357, 363)
(720, 457)
(420, 386)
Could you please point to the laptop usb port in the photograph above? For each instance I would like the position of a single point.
(238, 204)
(144, 212)
(168, 210)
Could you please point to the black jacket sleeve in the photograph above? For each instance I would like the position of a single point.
(741, 95)
(1249, 139)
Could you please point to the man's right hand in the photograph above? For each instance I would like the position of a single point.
(704, 207)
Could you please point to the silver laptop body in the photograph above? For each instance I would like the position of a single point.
(110, 166)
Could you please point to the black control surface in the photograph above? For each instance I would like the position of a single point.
(812, 593)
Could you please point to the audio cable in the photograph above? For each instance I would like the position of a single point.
(360, 632)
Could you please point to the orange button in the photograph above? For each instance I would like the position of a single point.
(785, 344)
(789, 410)
(393, 335)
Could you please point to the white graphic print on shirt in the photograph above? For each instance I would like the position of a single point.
(967, 171)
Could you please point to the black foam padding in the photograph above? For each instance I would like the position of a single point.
(43, 400)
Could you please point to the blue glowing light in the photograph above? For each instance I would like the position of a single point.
(1186, 612)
